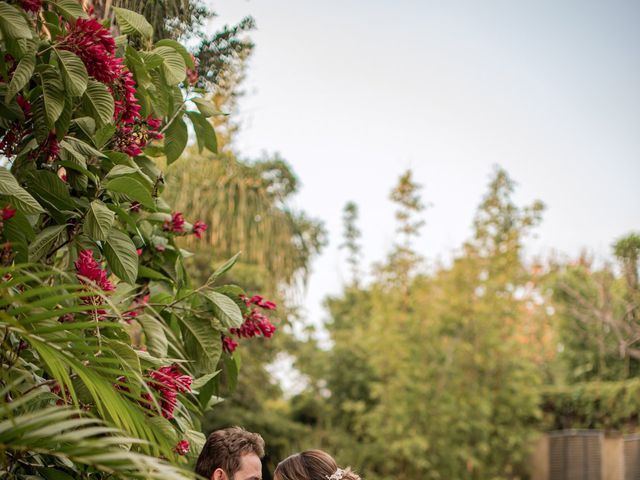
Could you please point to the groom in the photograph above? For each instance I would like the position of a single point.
(231, 454)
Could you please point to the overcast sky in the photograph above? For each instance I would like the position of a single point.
(352, 93)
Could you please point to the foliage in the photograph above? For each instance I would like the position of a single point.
(246, 205)
(102, 329)
(449, 387)
(596, 405)
(597, 312)
(351, 235)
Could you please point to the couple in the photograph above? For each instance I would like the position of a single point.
(234, 454)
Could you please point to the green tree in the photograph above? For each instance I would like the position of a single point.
(351, 236)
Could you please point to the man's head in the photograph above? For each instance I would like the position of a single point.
(231, 454)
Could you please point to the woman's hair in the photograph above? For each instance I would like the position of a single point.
(311, 465)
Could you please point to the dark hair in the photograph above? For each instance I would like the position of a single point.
(224, 449)
(310, 465)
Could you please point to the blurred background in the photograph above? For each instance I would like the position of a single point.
(442, 199)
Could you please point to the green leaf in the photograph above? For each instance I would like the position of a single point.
(173, 65)
(202, 381)
(205, 133)
(132, 188)
(201, 340)
(70, 9)
(84, 148)
(20, 198)
(223, 269)
(146, 272)
(21, 76)
(12, 23)
(73, 71)
(156, 339)
(50, 190)
(121, 256)
(206, 107)
(53, 95)
(46, 240)
(99, 221)
(167, 42)
(132, 22)
(86, 124)
(103, 135)
(175, 139)
(99, 102)
(225, 309)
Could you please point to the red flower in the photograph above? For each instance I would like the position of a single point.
(32, 6)
(182, 447)
(135, 207)
(95, 46)
(199, 227)
(228, 345)
(176, 224)
(168, 382)
(8, 212)
(89, 269)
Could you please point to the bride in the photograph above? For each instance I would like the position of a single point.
(312, 465)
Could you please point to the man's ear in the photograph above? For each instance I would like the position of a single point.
(219, 474)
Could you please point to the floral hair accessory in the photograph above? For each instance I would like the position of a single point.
(337, 475)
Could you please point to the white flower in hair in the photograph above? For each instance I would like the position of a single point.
(337, 475)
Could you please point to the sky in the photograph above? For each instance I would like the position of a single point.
(352, 93)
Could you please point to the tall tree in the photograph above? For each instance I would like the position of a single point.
(351, 236)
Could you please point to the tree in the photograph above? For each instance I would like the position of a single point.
(598, 312)
(109, 353)
(351, 235)
(443, 370)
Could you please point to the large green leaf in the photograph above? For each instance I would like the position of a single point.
(45, 241)
(21, 75)
(132, 22)
(156, 339)
(53, 95)
(12, 23)
(121, 255)
(206, 107)
(20, 198)
(205, 134)
(225, 309)
(50, 191)
(99, 220)
(175, 139)
(167, 42)
(74, 72)
(99, 102)
(173, 65)
(132, 188)
(70, 9)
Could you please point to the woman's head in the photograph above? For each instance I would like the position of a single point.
(312, 465)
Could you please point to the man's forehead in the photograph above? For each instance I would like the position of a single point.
(250, 468)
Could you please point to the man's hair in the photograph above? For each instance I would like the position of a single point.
(224, 449)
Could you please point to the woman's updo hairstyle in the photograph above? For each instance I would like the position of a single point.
(312, 465)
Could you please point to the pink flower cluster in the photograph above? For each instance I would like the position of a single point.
(175, 224)
(32, 6)
(168, 382)
(95, 46)
(88, 271)
(182, 447)
(255, 323)
(199, 228)
(8, 212)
